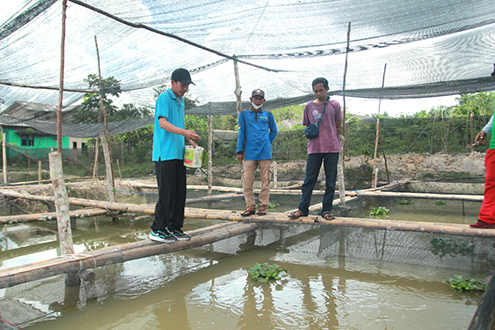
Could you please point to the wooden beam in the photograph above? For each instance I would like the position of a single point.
(51, 216)
(117, 254)
(471, 198)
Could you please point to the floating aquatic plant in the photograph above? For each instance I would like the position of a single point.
(265, 272)
(379, 211)
(440, 202)
(405, 202)
(469, 285)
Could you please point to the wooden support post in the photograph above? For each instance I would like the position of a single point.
(238, 90)
(4, 158)
(341, 163)
(61, 83)
(108, 166)
(39, 171)
(210, 152)
(95, 167)
(118, 167)
(105, 138)
(61, 204)
(374, 180)
(471, 139)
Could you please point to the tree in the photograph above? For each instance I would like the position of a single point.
(129, 110)
(479, 104)
(90, 112)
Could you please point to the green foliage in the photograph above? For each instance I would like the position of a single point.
(379, 211)
(196, 123)
(290, 113)
(440, 202)
(265, 272)
(129, 110)
(469, 285)
(90, 112)
(405, 202)
(444, 246)
(189, 102)
(272, 205)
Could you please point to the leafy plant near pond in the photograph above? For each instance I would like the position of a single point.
(272, 206)
(379, 211)
(440, 202)
(265, 272)
(468, 285)
(405, 202)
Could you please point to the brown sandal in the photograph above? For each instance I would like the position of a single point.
(262, 211)
(328, 216)
(248, 212)
(295, 215)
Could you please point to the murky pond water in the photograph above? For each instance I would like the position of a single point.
(417, 209)
(337, 278)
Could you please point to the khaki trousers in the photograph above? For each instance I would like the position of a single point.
(249, 167)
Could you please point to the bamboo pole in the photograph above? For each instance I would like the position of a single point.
(118, 167)
(61, 83)
(342, 137)
(118, 254)
(4, 158)
(238, 90)
(212, 198)
(61, 204)
(50, 216)
(210, 153)
(224, 189)
(470, 198)
(108, 166)
(39, 171)
(106, 137)
(384, 157)
(56, 166)
(95, 166)
(374, 177)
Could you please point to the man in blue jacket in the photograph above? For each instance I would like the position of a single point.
(257, 130)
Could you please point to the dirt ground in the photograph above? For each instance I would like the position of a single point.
(438, 167)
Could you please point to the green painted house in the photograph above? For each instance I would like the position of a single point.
(23, 124)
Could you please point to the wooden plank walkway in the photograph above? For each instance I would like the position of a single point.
(76, 263)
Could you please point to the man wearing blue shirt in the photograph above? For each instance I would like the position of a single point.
(257, 130)
(169, 140)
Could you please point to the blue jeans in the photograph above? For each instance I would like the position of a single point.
(312, 170)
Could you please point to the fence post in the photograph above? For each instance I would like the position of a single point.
(61, 204)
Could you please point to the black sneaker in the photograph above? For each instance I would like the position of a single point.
(179, 235)
(160, 236)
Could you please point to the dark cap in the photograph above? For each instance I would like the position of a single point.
(183, 76)
(258, 92)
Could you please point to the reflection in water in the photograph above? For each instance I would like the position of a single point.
(339, 277)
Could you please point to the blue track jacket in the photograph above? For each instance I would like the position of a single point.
(257, 130)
